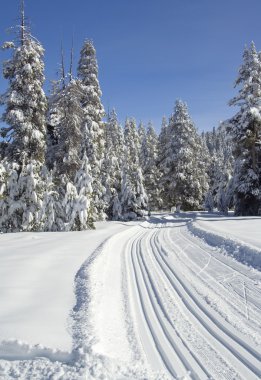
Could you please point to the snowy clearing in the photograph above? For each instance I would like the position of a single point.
(140, 300)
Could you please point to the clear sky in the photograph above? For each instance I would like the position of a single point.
(150, 52)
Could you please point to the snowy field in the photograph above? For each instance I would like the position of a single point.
(167, 298)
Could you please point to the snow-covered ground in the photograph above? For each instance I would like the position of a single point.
(171, 297)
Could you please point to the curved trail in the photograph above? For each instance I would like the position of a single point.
(186, 307)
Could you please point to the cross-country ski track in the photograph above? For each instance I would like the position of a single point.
(163, 304)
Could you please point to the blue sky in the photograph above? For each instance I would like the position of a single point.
(150, 52)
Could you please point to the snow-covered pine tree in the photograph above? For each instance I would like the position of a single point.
(162, 160)
(142, 145)
(25, 108)
(84, 206)
(185, 176)
(25, 102)
(52, 217)
(134, 199)
(151, 170)
(11, 206)
(245, 129)
(93, 126)
(77, 201)
(112, 165)
(220, 166)
(67, 155)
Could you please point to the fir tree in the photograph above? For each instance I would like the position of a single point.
(245, 129)
(93, 126)
(133, 195)
(25, 107)
(220, 160)
(83, 184)
(112, 165)
(25, 101)
(162, 160)
(151, 171)
(184, 175)
(67, 153)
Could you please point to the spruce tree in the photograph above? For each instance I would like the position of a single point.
(25, 102)
(25, 134)
(245, 129)
(162, 162)
(112, 165)
(220, 166)
(151, 170)
(93, 126)
(184, 176)
(134, 199)
(67, 155)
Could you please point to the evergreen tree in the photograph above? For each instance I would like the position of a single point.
(83, 184)
(184, 176)
(24, 137)
(162, 160)
(52, 216)
(151, 171)
(142, 145)
(112, 165)
(221, 160)
(67, 153)
(25, 102)
(245, 129)
(93, 126)
(133, 195)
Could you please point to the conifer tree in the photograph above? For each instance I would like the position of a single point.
(68, 153)
(112, 165)
(162, 160)
(83, 184)
(184, 168)
(151, 171)
(245, 129)
(25, 108)
(220, 166)
(142, 145)
(93, 126)
(133, 195)
(25, 101)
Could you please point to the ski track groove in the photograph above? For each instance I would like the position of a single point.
(242, 346)
(241, 354)
(219, 287)
(205, 358)
(237, 275)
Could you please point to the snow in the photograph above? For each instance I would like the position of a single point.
(154, 299)
(234, 227)
(37, 273)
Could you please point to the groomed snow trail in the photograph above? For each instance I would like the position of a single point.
(154, 301)
(167, 299)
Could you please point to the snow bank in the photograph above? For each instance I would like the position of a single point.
(18, 350)
(241, 251)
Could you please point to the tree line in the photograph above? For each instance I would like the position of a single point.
(65, 164)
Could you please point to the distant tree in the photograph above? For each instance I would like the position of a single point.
(245, 129)
(185, 177)
(162, 163)
(112, 165)
(133, 195)
(142, 145)
(151, 170)
(220, 169)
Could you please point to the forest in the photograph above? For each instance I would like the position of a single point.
(65, 163)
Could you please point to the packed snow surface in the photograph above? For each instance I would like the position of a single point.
(165, 298)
